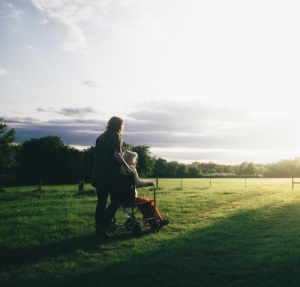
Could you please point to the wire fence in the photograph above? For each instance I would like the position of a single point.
(181, 183)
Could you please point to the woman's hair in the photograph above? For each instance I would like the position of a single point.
(128, 155)
(113, 125)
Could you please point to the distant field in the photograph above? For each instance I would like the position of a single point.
(223, 232)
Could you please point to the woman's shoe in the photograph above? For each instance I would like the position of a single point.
(164, 222)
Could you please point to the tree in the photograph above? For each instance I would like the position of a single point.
(171, 168)
(283, 168)
(242, 168)
(7, 152)
(246, 168)
(193, 171)
(160, 168)
(127, 146)
(181, 170)
(50, 160)
(145, 162)
(88, 159)
(209, 168)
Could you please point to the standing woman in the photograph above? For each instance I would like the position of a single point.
(106, 174)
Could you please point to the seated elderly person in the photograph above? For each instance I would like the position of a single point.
(147, 210)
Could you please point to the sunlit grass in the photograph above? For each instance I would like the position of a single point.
(223, 232)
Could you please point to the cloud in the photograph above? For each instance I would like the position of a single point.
(70, 112)
(3, 72)
(74, 132)
(71, 35)
(43, 110)
(186, 118)
(21, 122)
(9, 11)
(78, 112)
(65, 18)
(207, 133)
(69, 18)
(206, 126)
(91, 84)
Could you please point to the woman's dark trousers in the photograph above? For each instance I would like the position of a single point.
(103, 215)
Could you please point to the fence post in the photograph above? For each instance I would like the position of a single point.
(210, 182)
(245, 182)
(292, 183)
(157, 182)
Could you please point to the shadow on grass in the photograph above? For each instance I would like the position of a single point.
(14, 257)
(251, 248)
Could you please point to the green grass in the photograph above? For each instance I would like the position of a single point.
(221, 234)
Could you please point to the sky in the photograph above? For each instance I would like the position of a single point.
(196, 80)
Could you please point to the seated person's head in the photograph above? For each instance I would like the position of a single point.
(130, 157)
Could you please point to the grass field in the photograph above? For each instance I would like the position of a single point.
(222, 233)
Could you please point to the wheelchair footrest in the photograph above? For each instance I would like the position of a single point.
(142, 203)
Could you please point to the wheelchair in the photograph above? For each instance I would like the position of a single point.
(130, 207)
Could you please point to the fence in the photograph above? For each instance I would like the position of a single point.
(294, 182)
(244, 181)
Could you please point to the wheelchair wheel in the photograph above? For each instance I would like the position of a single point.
(136, 230)
(129, 223)
(155, 227)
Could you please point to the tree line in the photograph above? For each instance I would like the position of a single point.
(49, 161)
